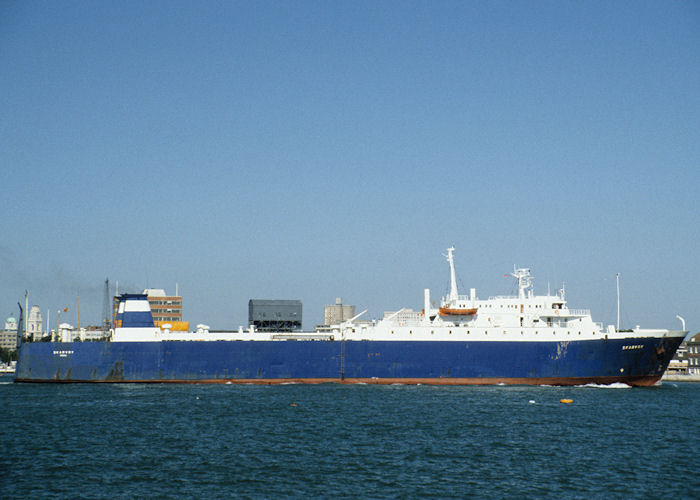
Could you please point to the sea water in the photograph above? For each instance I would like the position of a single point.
(348, 441)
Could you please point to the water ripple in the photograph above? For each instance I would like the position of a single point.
(328, 441)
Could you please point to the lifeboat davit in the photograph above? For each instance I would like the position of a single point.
(452, 311)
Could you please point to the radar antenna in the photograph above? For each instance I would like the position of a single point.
(524, 280)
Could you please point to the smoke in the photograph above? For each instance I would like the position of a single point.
(53, 286)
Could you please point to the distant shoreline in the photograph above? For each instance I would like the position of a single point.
(681, 378)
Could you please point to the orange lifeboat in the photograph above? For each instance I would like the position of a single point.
(451, 311)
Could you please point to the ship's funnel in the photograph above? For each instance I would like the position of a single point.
(134, 311)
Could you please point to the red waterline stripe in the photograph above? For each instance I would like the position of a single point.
(644, 381)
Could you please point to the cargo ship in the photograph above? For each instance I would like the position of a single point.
(520, 339)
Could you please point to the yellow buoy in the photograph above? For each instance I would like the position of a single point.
(566, 401)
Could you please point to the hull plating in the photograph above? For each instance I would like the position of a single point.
(375, 362)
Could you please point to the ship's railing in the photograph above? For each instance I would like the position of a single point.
(446, 298)
(292, 336)
(579, 312)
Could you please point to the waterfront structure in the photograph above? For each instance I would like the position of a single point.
(693, 345)
(8, 336)
(687, 358)
(337, 313)
(521, 339)
(82, 334)
(274, 315)
(66, 333)
(91, 333)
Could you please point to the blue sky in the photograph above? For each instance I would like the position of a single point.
(313, 150)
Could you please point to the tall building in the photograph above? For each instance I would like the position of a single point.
(164, 308)
(337, 313)
(35, 324)
(8, 336)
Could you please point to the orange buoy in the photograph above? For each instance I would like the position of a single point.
(293, 404)
(566, 401)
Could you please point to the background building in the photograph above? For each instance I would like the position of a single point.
(274, 315)
(337, 313)
(164, 308)
(35, 324)
(8, 336)
(687, 358)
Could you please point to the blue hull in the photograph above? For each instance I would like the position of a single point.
(642, 361)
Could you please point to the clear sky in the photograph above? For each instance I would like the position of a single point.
(319, 149)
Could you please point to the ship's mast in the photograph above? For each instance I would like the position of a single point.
(524, 280)
(618, 301)
(453, 279)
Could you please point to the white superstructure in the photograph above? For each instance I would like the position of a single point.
(525, 317)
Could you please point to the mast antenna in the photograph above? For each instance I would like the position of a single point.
(618, 301)
(453, 278)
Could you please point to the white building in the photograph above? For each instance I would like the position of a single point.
(35, 324)
(8, 337)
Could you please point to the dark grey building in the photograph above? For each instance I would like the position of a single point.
(274, 315)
